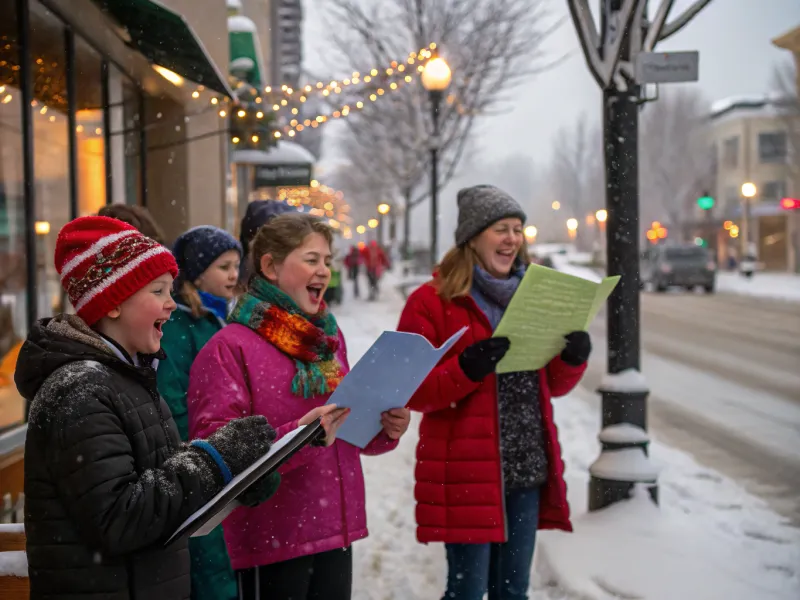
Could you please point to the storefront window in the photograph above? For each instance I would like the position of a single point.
(13, 317)
(89, 130)
(51, 148)
(125, 123)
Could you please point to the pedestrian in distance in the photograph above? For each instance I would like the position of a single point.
(375, 262)
(489, 469)
(107, 478)
(208, 260)
(283, 353)
(353, 263)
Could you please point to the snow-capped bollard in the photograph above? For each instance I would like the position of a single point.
(623, 460)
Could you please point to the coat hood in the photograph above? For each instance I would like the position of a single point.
(55, 342)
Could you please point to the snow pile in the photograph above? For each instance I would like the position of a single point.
(708, 540)
(629, 380)
(13, 564)
(562, 263)
(779, 286)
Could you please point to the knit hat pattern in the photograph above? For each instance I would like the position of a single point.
(102, 262)
(481, 205)
(196, 249)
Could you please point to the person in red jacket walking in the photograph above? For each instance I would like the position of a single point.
(489, 470)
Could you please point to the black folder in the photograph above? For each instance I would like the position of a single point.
(202, 521)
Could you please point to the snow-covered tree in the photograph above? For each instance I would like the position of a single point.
(676, 163)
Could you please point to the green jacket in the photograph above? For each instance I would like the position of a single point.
(184, 336)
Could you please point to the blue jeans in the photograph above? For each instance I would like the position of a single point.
(501, 569)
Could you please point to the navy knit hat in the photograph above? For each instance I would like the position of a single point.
(259, 213)
(196, 249)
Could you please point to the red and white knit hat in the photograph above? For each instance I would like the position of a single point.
(102, 262)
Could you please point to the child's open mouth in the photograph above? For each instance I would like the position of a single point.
(158, 325)
(315, 292)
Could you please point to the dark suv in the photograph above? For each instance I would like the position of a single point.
(686, 266)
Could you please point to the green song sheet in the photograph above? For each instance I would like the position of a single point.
(547, 306)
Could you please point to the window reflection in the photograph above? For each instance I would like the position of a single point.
(89, 129)
(12, 233)
(51, 149)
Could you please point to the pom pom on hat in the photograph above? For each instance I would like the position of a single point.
(102, 262)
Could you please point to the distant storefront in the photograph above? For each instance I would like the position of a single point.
(101, 101)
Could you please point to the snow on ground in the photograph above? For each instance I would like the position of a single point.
(710, 539)
(780, 286)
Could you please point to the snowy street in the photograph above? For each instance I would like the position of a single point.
(719, 532)
(724, 380)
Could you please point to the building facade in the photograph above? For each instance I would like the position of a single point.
(101, 102)
(751, 140)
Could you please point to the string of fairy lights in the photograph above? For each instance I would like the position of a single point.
(271, 113)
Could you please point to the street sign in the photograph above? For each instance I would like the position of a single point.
(281, 175)
(667, 67)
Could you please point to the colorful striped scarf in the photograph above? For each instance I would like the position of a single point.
(311, 341)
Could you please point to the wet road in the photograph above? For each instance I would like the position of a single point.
(724, 374)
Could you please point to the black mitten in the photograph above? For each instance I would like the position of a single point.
(481, 358)
(578, 348)
(242, 441)
(261, 491)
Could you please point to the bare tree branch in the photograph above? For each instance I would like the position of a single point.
(657, 26)
(676, 164)
(491, 45)
(683, 19)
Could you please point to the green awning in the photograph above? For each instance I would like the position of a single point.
(166, 39)
(244, 44)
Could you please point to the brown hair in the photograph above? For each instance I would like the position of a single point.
(284, 234)
(454, 273)
(135, 216)
(189, 294)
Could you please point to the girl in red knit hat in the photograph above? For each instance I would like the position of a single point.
(107, 478)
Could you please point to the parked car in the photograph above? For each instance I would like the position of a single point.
(686, 266)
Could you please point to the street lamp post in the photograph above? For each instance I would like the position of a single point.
(383, 210)
(572, 228)
(749, 192)
(436, 78)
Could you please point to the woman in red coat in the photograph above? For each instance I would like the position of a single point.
(489, 470)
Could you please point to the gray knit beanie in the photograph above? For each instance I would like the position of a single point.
(481, 205)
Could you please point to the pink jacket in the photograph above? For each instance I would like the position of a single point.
(320, 504)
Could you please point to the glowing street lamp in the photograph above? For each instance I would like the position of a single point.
(572, 228)
(436, 77)
(530, 233)
(749, 191)
(556, 205)
(360, 229)
(601, 215)
(373, 223)
(384, 208)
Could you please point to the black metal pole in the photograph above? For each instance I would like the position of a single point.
(28, 190)
(105, 99)
(436, 100)
(142, 150)
(72, 122)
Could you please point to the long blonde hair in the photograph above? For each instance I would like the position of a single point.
(454, 274)
(189, 294)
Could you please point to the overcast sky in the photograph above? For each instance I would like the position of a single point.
(736, 57)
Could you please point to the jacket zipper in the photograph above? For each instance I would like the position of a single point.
(475, 308)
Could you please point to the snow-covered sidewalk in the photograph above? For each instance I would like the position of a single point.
(709, 540)
(777, 286)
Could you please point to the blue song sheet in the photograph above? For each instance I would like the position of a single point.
(386, 377)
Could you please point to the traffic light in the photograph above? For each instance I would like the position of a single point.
(705, 202)
(790, 203)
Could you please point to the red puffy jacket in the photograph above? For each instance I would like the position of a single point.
(459, 477)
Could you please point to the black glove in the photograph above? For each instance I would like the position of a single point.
(481, 358)
(242, 441)
(578, 348)
(261, 491)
